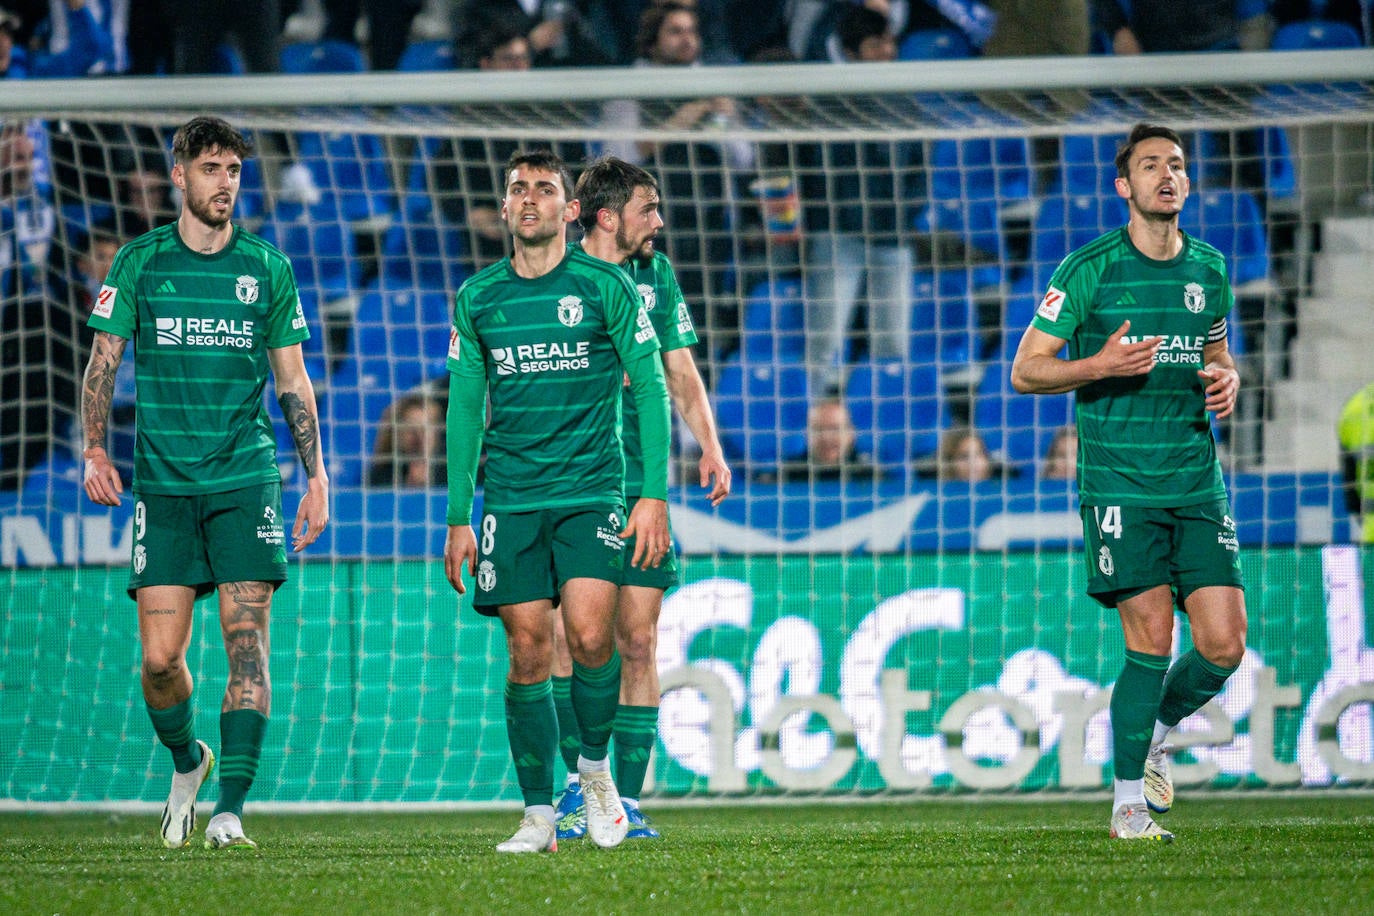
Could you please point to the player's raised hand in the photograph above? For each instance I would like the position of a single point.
(101, 480)
(648, 525)
(1118, 358)
(715, 473)
(1223, 384)
(460, 549)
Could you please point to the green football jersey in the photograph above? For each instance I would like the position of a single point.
(201, 326)
(1145, 440)
(551, 351)
(667, 309)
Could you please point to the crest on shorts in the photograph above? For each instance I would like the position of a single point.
(486, 576)
(246, 289)
(646, 292)
(1104, 561)
(570, 311)
(1194, 298)
(140, 559)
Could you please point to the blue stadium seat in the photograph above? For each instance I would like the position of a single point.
(943, 322)
(408, 328)
(1232, 222)
(1315, 35)
(761, 411)
(934, 44)
(774, 324)
(1088, 162)
(321, 57)
(971, 183)
(355, 167)
(423, 251)
(427, 55)
(898, 410)
(1210, 169)
(1017, 427)
(321, 247)
(1066, 223)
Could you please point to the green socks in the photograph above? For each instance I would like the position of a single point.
(1190, 683)
(635, 729)
(1135, 704)
(241, 733)
(569, 735)
(595, 696)
(175, 728)
(532, 729)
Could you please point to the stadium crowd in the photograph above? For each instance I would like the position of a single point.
(71, 192)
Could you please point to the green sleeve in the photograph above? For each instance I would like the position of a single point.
(650, 393)
(466, 403)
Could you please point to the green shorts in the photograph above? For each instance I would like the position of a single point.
(1130, 549)
(528, 556)
(206, 540)
(662, 577)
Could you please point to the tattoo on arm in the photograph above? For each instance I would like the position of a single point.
(305, 429)
(97, 388)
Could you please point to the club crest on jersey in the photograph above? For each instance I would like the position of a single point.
(570, 311)
(246, 289)
(1194, 298)
(646, 292)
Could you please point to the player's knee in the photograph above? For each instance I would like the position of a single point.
(1227, 654)
(637, 648)
(162, 668)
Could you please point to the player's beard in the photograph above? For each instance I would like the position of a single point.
(644, 251)
(201, 210)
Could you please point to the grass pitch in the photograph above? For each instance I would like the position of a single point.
(1234, 854)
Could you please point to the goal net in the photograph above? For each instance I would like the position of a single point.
(895, 627)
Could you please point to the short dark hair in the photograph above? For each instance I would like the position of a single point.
(608, 183)
(206, 133)
(1139, 134)
(545, 160)
(857, 24)
(500, 31)
(651, 23)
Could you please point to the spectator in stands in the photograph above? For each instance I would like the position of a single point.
(561, 33)
(696, 177)
(410, 445)
(1356, 435)
(1061, 455)
(831, 449)
(143, 195)
(88, 42)
(1216, 25)
(964, 456)
(858, 202)
(388, 27)
(201, 26)
(38, 331)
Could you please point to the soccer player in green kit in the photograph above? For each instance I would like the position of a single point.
(619, 213)
(212, 310)
(545, 337)
(1143, 309)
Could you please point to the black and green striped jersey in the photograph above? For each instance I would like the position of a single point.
(201, 326)
(667, 309)
(551, 350)
(1145, 440)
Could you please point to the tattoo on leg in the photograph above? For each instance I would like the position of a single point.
(160, 612)
(304, 429)
(245, 642)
